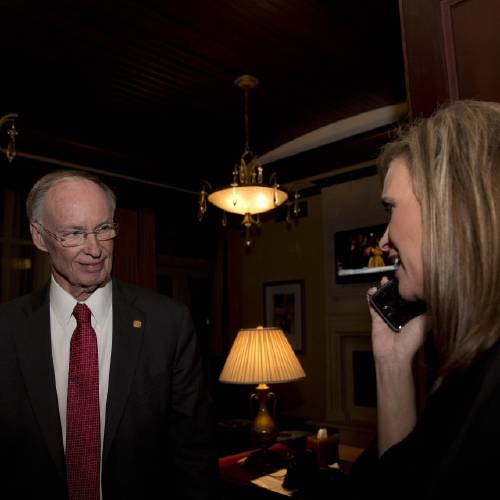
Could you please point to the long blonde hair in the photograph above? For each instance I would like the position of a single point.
(454, 161)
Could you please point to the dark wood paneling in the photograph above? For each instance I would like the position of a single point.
(452, 51)
(426, 78)
(471, 30)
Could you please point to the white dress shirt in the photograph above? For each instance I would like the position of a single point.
(62, 326)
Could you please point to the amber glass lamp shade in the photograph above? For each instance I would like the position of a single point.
(248, 199)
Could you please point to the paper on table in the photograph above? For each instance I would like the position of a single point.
(273, 482)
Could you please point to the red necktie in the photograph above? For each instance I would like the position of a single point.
(83, 448)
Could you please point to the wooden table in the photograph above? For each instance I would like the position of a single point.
(235, 479)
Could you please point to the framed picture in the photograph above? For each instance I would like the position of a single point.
(284, 308)
(358, 257)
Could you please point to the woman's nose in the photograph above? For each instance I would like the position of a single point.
(384, 241)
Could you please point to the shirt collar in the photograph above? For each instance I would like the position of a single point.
(62, 303)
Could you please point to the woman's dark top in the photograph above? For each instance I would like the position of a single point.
(454, 450)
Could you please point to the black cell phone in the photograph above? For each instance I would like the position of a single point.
(392, 308)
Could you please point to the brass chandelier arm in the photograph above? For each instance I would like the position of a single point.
(7, 117)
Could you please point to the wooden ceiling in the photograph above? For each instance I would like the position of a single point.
(145, 87)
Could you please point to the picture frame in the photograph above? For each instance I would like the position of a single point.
(284, 308)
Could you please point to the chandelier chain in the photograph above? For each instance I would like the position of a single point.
(247, 148)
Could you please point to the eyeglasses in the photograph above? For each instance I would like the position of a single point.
(78, 237)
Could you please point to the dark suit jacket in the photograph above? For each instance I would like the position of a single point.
(158, 434)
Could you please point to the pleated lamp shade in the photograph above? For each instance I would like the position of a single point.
(261, 356)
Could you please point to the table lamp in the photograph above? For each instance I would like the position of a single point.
(261, 356)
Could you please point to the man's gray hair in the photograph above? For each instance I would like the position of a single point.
(36, 196)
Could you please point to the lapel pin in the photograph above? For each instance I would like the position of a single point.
(136, 323)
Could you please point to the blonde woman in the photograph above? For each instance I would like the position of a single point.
(442, 188)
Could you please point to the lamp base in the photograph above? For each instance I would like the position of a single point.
(264, 460)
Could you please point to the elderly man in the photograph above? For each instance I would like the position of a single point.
(101, 386)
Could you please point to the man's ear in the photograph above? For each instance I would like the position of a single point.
(36, 236)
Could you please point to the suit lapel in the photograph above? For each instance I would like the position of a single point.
(35, 359)
(128, 326)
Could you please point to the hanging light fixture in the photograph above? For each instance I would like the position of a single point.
(248, 194)
(12, 132)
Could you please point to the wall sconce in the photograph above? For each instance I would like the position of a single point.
(12, 132)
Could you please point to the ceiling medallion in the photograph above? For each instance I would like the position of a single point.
(248, 194)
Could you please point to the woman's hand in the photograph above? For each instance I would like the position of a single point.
(396, 349)
(394, 353)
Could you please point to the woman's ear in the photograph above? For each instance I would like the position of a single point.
(36, 236)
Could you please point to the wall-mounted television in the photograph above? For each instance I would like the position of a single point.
(358, 257)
